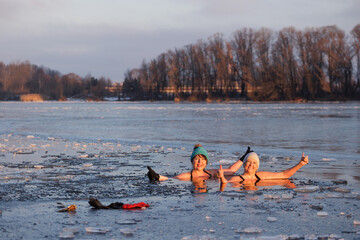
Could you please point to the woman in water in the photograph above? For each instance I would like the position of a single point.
(251, 174)
(199, 160)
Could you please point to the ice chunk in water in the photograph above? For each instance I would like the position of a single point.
(287, 196)
(310, 237)
(270, 196)
(249, 230)
(342, 190)
(271, 219)
(23, 151)
(294, 237)
(322, 214)
(88, 165)
(329, 195)
(196, 237)
(127, 231)
(307, 189)
(334, 236)
(66, 235)
(97, 229)
(225, 162)
(278, 237)
(126, 222)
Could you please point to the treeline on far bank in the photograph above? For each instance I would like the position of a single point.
(21, 78)
(314, 64)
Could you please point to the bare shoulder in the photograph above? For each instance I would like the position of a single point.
(183, 176)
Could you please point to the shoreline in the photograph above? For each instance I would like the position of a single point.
(195, 101)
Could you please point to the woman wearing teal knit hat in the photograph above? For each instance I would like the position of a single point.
(199, 159)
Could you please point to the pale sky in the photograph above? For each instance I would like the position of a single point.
(107, 37)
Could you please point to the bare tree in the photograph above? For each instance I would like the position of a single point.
(263, 62)
(175, 71)
(356, 48)
(311, 52)
(69, 85)
(242, 44)
(285, 65)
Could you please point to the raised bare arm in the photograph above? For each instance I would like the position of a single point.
(284, 174)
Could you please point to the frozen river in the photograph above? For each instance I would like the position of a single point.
(70, 151)
(321, 128)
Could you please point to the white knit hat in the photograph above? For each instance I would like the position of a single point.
(252, 156)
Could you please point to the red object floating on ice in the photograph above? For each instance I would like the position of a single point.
(135, 205)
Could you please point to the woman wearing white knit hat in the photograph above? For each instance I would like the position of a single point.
(251, 166)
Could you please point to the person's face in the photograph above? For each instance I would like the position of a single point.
(199, 162)
(251, 166)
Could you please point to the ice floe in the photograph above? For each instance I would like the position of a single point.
(97, 229)
(307, 189)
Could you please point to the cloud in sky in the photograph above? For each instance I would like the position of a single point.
(105, 38)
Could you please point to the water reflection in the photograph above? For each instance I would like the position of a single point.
(253, 185)
(200, 186)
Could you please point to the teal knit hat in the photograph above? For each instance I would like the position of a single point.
(199, 150)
